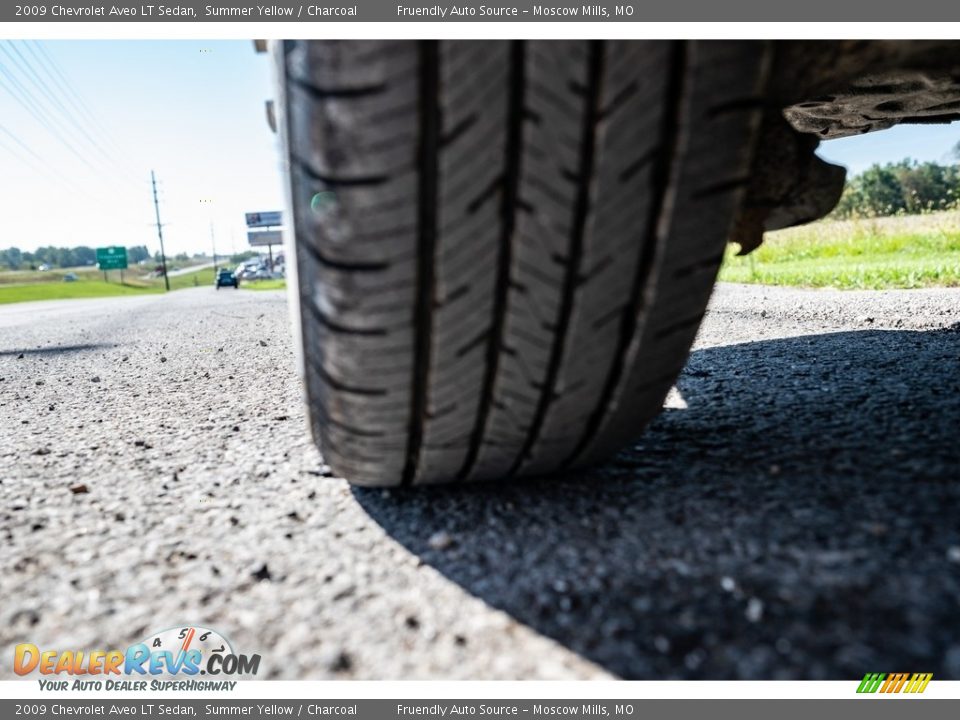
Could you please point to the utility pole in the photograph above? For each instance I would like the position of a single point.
(156, 207)
(213, 244)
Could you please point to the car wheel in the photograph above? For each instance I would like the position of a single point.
(503, 250)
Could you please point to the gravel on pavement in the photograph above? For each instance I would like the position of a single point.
(792, 514)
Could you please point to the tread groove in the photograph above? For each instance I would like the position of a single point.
(344, 265)
(488, 192)
(641, 162)
(352, 429)
(591, 93)
(340, 385)
(332, 181)
(459, 130)
(344, 93)
(508, 212)
(618, 101)
(428, 156)
(336, 327)
(645, 258)
(474, 342)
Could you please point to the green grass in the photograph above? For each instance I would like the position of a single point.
(277, 284)
(132, 275)
(909, 251)
(90, 284)
(22, 277)
(64, 291)
(197, 278)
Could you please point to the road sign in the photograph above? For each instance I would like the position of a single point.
(112, 258)
(264, 219)
(265, 237)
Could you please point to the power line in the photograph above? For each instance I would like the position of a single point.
(53, 173)
(29, 103)
(22, 144)
(35, 161)
(48, 62)
(79, 107)
(24, 98)
(41, 84)
(36, 108)
(52, 67)
(19, 156)
(40, 164)
(45, 108)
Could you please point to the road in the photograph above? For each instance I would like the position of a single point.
(792, 514)
(193, 269)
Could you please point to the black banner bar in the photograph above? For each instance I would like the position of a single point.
(212, 708)
(324, 11)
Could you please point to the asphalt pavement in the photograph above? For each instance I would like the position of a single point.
(794, 513)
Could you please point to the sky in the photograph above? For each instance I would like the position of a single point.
(933, 143)
(191, 111)
(82, 124)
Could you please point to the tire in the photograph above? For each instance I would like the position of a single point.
(503, 250)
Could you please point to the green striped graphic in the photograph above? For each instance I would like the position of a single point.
(871, 682)
(887, 683)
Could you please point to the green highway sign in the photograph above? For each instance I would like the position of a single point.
(112, 258)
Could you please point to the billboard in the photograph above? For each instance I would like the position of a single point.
(265, 237)
(264, 219)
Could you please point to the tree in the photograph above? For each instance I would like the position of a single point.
(137, 253)
(882, 194)
(84, 255)
(903, 187)
(12, 258)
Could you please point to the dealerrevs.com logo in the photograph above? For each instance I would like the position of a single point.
(172, 659)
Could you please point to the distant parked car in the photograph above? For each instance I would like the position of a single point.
(70, 277)
(245, 270)
(43, 267)
(226, 277)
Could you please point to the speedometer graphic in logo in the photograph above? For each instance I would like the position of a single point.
(190, 645)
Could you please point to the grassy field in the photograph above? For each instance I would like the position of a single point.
(24, 287)
(910, 251)
(278, 284)
(26, 277)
